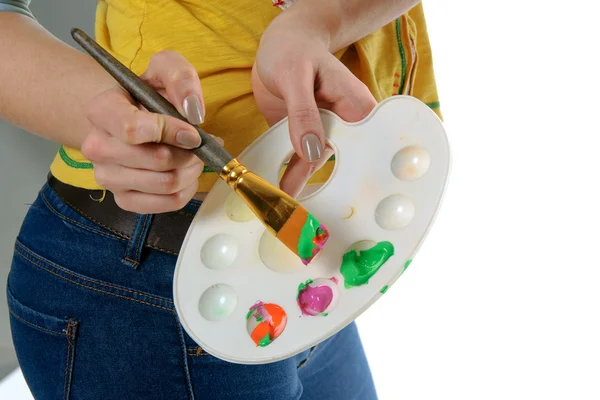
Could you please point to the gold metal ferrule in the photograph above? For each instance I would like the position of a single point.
(270, 204)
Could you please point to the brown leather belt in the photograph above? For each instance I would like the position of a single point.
(166, 232)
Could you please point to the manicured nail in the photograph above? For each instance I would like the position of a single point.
(311, 145)
(188, 139)
(193, 110)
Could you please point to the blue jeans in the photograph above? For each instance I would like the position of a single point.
(88, 325)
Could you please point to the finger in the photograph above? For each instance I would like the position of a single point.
(299, 171)
(101, 148)
(162, 92)
(114, 112)
(272, 107)
(306, 129)
(118, 178)
(146, 203)
(172, 72)
(346, 95)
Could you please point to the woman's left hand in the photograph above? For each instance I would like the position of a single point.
(295, 74)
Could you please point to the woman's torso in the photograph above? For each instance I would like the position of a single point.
(220, 39)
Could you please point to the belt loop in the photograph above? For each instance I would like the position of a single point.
(133, 253)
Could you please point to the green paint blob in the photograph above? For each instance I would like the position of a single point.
(265, 341)
(407, 264)
(249, 314)
(384, 289)
(309, 231)
(359, 266)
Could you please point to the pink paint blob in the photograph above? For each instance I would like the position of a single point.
(315, 300)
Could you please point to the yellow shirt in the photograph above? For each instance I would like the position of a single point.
(220, 39)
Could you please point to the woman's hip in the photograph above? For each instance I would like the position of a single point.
(88, 322)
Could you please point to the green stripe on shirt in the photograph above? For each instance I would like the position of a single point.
(72, 163)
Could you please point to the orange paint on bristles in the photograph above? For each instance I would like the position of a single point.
(278, 211)
(291, 230)
(303, 234)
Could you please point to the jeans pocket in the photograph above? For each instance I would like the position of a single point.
(45, 347)
(302, 358)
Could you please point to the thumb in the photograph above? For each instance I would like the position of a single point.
(306, 128)
(346, 95)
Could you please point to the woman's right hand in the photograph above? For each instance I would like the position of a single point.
(141, 157)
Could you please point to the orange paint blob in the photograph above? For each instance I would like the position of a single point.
(263, 329)
(272, 321)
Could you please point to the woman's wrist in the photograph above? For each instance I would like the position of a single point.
(322, 22)
(299, 18)
(343, 22)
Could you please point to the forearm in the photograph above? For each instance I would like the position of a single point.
(44, 83)
(346, 21)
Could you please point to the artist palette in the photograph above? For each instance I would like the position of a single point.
(246, 298)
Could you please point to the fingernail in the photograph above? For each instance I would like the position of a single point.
(188, 139)
(193, 110)
(312, 147)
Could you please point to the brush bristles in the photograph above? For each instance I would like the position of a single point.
(303, 234)
(281, 214)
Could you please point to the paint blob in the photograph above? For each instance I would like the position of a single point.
(410, 163)
(394, 212)
(315, 297)
(358, 266)
(312, 239)
(277, 256)
(217, 302)
(265, 322)
(220, 251)
(384, 289)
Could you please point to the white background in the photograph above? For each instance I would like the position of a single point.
(502, 301)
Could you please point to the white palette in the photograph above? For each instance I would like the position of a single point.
(387, 184)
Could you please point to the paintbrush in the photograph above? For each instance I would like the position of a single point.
(282, 215)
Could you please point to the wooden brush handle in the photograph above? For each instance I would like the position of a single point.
(209, 151)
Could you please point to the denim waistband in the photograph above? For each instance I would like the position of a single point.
(136, 238)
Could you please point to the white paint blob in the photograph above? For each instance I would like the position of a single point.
(276, 256)
(394, 212)
(411, 163)
(220, 251)
(236, 209)
(217, 302)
